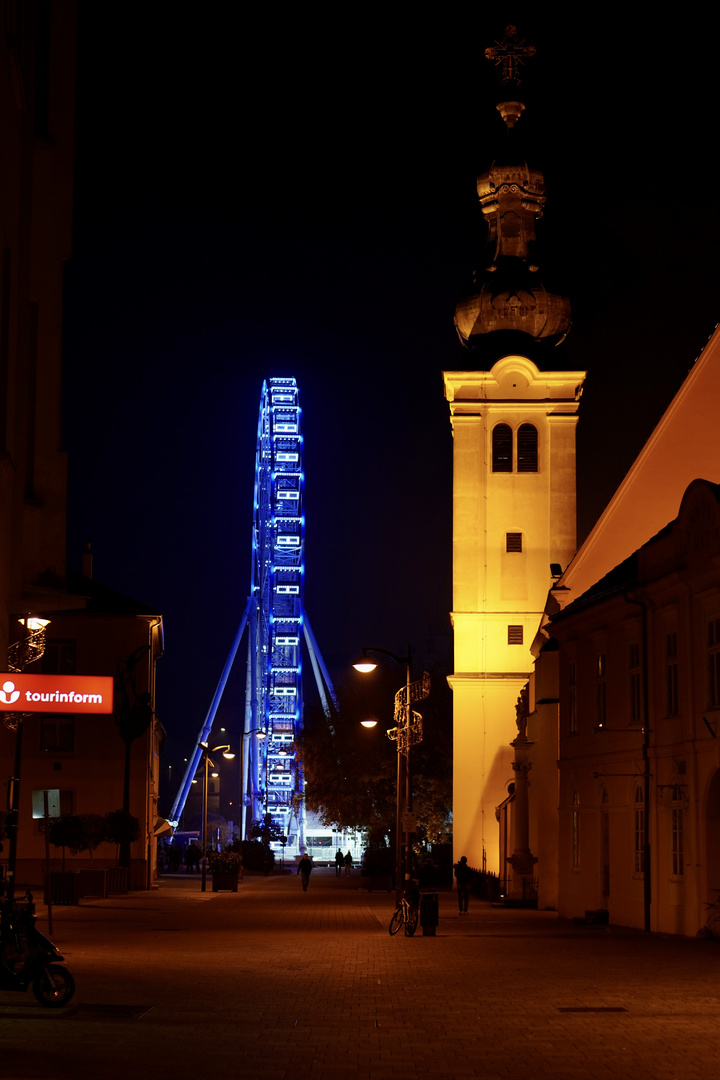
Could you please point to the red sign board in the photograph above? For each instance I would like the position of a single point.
(55, 693)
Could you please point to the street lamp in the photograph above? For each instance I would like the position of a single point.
(20, 654)
(407, 732)
(261, 734)
(206, 752)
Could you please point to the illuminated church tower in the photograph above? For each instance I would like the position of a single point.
(514, 518)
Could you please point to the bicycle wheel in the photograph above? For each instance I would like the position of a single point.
(396, 921)
(412, 921)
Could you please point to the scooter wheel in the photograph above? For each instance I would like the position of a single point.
(54, 986)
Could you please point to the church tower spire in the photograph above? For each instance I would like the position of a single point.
(511, 293)
(513, 485)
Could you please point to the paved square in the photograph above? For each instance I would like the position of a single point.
(278, 984)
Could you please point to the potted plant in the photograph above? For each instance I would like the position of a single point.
(226, 868)
(67, 831)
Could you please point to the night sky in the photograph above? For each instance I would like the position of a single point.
(294, 194)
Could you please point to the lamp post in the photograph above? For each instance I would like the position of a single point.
(261, 734)
(20, 654)
(407, 732)
(206, 752)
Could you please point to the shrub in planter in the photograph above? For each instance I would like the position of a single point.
(225, 867)
(225, 862)
(121, 828)
(255, 855)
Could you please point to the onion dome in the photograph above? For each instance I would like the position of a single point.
(510, 292)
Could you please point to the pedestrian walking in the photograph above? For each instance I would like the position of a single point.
(463, 875)
(304, 870)
(348, 863)
(339, 859)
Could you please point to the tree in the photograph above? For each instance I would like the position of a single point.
(350, 772)
(94, 831)
(121, 828)
(78, 832)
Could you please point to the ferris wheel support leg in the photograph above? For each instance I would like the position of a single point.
(318, 665)
(245, 762)
(254, 722)
(179, 804)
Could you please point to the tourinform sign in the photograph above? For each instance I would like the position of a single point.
(55, 693)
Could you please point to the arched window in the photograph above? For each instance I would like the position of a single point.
(527, 448)
(502, 448)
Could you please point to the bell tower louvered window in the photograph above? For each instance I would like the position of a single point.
(502, 448)
(527, 448)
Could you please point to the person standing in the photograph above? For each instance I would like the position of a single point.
(338, 862)
(304, 870)
(463, 875)
(348, 863)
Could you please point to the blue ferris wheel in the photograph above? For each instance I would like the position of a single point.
(272, 783)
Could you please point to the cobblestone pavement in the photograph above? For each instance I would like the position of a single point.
(278, 984)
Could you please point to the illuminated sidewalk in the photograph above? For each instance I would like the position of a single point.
(278, 984)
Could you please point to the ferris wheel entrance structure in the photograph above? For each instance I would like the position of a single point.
(272, 783)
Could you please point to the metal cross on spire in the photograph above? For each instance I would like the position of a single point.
(511, 53)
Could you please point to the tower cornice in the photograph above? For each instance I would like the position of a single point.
(514, 378)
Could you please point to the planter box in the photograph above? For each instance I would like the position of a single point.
(225, 882)
(92, 883)
(118, 878)
(63, 887)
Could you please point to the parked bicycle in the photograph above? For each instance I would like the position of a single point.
(406, 915)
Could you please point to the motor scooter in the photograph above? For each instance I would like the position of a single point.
(28, 958)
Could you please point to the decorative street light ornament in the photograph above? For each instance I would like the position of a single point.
(409, 732)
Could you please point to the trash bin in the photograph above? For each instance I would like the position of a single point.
(429, 912)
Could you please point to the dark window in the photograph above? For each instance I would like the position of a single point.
(678, 854)
(671, 674)
(502, 440)
(572, 698)
(57, 735)
(635, 684)
(515, 635)
(527, 448)
(59, 657)
(713, 662)
(601, 690)
(639, 814)
(513, 541)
